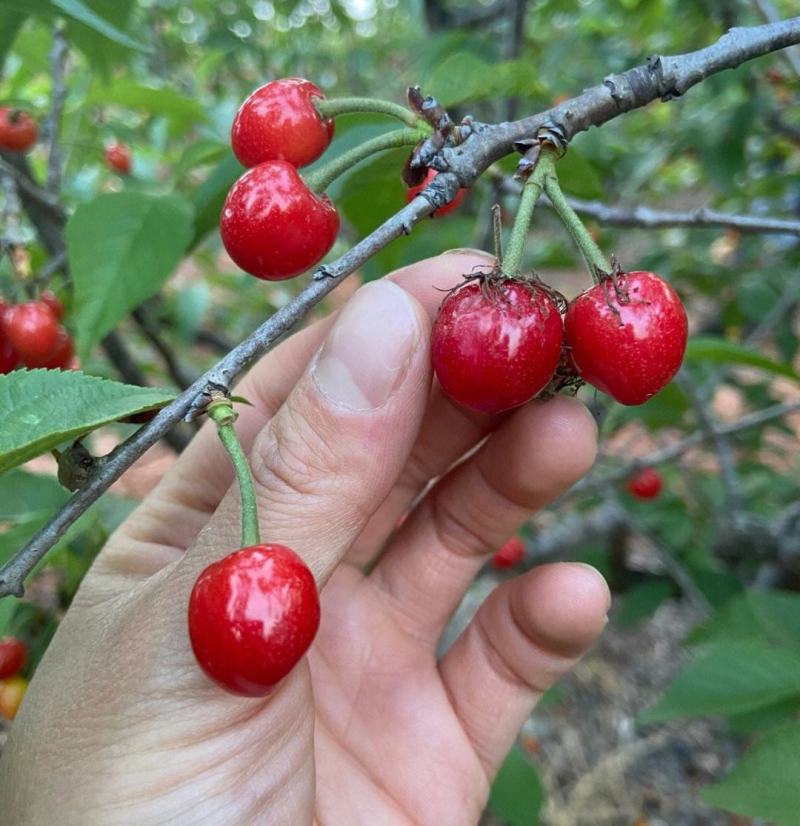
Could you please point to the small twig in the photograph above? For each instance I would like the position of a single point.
(58, 65)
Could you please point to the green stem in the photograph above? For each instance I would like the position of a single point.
(595, 260)
(345, 106)
(320, 179)
(531, 190)
(222, 413)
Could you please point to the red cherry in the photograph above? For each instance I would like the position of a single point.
(278, 122)
(252, 617)
(627, 335)
(646, 484)
(46, 297)
(61, 356)
(495, 345)
(413, 191)
(118, 157)
(17, 129)
(13, 654)
(273, 225)
(9, 360)
(509, 554)
(32, 330)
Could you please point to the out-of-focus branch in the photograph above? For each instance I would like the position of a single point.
(58, 65)
(150, 329)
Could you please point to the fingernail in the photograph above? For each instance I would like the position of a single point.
(368, 350)
(600, 578)
(470, 251)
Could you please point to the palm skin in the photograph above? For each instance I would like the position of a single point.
(120, 726)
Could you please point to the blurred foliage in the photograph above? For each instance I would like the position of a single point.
(166, 76)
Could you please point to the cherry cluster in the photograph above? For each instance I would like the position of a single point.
(272, 224)
(13, 656)
(31, 335)
(497, 341)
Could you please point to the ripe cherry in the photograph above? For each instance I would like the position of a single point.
(252, 617)
(273, 225)
(13, 654)
(17, 130)
(627, 335)
(32, 330)
(12, 691)
(118, 157)
(511, 553)
(9, 360)
(278, 122)
(646, 484)
(61, 356)
(495, 344)
(50, 299)
(413, 191)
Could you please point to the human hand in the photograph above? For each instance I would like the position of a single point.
(120, 726)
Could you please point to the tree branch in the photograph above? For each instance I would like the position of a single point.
(483, 144)
(58, 65)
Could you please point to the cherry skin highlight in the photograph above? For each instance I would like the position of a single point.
(278, 122)
(646, 484)
(32, 330)
(13, 655)
(510, 553)
(627, 335)
(118, 157)
(252, 617)
(18, 130)
(413, 191)
(495, 345)
(273, 225)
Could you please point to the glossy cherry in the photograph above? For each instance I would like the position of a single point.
(13, 655)
(496, 344)
(32, 330)
(627, 335)
(61, 355)
(273, 225)
(17, 129)
(49, 298)
(646, 484)
(252, 617)
(118, 157)
(12, 691)
(511, 553)
(413, 191)
(278, 122)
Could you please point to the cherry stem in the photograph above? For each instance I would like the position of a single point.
(320, 179)
(531, 190)
(595, 260)
(347, 106)
(221, 411)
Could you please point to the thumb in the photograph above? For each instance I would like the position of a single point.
(333, 451)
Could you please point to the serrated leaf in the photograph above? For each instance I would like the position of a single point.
(43, 408)
(83, 14)
(122, 247)
(23, 495)
(516, 796)
(729, 678)
(763, 784)
(706, 349)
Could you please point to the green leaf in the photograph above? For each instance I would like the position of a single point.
(764, 782)
(83, 14)
(43, 408)
(152, 100)
(209, 197)
(8, 605)
(641, 602)
(729, 678)
(578, 176)
(517, 795)
(706, 349)
(122, 248)
(23, 495)
(103, 53)
(10, 24)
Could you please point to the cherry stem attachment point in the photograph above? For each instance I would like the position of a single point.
(320, 179)
(221, 411)
(332, 107)
(595, 260)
